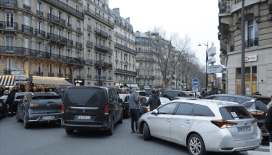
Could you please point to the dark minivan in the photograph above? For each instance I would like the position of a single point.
(91, 108)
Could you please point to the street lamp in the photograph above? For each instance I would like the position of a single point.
(206, 64)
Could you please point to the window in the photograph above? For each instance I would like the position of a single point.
(200, 110)
(39, 7)
(232, 99)
(168, 109)
(9, 63)
(252, 33)
(39, 46)
(222, 98)
(69, 20)
(89, 71)
(10, 41)
(27, 3)
(231, 113)
(89, 37)
(69, 53)
(89, 55)
(10, 20)
(242, 100)
(109, 59)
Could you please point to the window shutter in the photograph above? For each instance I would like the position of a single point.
(256, 30)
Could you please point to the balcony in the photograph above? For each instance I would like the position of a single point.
(69, 42)
(8, 25)
(89, 61)
(89, 44)
(101, 48)
(89, 27)
(60, 75)
(110, 37)
(40, 33)
(9, 3)
(78, 77)
(78, 29)
(231, 48)
(103, 19)
(78, 45)
(125, 48)
(57, 38)
(37, 73)
(251, 43)
(109, 78)
(50, 74)
(68, 77)
(101, 33)
(69, 25)
(27, 29)
(67, 8)
(101, 77)
(39, 12)
(27, 7)
(7, 71)
(124, 37)
(56, 19)
(89, 76)
(121, 71)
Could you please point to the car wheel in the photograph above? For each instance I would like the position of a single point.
(146, 132)
(196, 145)
(121, 118)
(26, 124)
(110, 130)
(69, 131)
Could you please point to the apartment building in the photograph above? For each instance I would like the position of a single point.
(258, 45)
(44, 38)
(124, 52)
(98, 43)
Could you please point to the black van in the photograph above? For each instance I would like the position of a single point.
(91, 108)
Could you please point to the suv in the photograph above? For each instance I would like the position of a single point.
(256, 105)
(91, 108)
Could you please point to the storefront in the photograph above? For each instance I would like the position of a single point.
(45, 84)
(79, 82)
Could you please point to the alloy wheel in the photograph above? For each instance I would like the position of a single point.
(195, 146)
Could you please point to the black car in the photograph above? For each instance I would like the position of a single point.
(125, 104)
(256, 106)
(3, 106)
(171, 94)
(39, 107)
(91, 108)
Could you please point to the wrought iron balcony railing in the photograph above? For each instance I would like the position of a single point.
(8, 3)
(90, 11)
(40, 33)
(39, 12)
(27, 7)
(89, 44)
(37, 73)
(89, 76)
(89, 61)
(56, 19)
(78, 29)
(124, 37)
(109, 78)
(50, 74)
(125, 72)
(8, 25)
(231, 48)
(69, 24)
(69, 42)
(89, 27)
(27, 29)
(101, 48)
(7, 71)
(60, 75)
(78, 76)
(101, 33)
(125, 48)
(252, 43)
(78, 45)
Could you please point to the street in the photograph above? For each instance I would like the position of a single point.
(51, 139)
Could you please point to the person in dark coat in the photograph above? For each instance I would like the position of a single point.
(154, 101)
(134, 107)
(268, 123)
(10, 101)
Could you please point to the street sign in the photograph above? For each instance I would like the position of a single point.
(251, 58)
(211, 51)
(21, 78)
(215, 69)
(195, 82)
(195, 88)
(16, 69)
(212, 60)
(20, 82)
(16, 72)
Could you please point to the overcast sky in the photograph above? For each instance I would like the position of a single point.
(197, 18)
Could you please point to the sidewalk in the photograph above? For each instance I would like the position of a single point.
(263, 150)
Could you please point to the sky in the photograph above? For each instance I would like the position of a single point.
(196, 18)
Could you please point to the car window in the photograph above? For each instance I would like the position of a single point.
(231, 113)
(168, 109)
(45, 97)
(142, 94)
(232, 99)
(260, 106)
(210, 97)
(222, 98)
(241, 100)
(200, 110)
(185, 109)
(248, 104)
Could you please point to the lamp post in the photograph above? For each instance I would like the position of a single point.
(206, 64)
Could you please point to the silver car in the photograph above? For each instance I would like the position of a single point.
(203, 125)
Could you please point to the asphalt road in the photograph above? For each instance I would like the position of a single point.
(45, 139)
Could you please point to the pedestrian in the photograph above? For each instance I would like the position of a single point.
(268, 123)
(10, 101)
(154, 101)
(124, 92)
(134, 107)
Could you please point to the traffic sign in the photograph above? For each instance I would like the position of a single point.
(16, 72)
(21, 78)
(212, 51)
(16, 69)
(215, 69)
(195, 88)
(195, 82)
(19, 82)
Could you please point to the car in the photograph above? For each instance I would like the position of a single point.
(256, 105)
(163, 101)
(18, 98)
(170, 94)
(3, 106)
(91, 108)
(39, 107)
(203, 125)
(125, 104)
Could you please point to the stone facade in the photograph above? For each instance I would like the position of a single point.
(258, 45)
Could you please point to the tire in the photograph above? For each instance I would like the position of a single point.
(196, 145)
(110, 130)
(121, 118)
(69, 131)
(146, 132)
(26, 124)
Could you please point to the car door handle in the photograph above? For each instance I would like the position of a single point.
(187, 122)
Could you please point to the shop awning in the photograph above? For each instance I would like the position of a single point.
(7, 80)
(50, 81)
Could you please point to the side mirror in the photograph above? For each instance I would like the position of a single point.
(155, 112)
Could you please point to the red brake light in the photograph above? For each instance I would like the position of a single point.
(33, 105)
(147, 109)
(59, 103)
(106, 112)
(123, 104)
(62, 109)
(255, 122)
(223, 123)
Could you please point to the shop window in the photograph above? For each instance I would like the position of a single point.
(254, 74)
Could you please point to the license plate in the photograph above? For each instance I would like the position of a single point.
(84, 117)
(244, 129)
(48, 117)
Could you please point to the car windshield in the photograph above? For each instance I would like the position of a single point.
(164, 100)
(248, 104)
(149, 91)
(142, 93)
(235, 112)
(45, 97)
(89, 97)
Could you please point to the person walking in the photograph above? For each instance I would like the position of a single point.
(134, 107)
(268, 123)
(125, 92)
(154, 101)
(10, 101)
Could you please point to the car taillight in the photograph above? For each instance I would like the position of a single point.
(106, 112)
(147, 109)
(256, 112)
(59, 103)
(33, 105)
(255, 122)
(123, 104)
(62, 109)
(223, 123)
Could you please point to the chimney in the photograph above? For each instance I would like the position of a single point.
(117, 10)
(128, 19)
